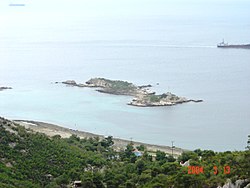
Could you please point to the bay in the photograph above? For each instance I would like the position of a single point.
(175, 49)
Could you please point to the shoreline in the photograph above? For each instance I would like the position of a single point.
(119, 144)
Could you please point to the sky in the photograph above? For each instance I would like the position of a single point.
(100, 8)
(59, 14)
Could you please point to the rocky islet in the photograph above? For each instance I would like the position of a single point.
(143, 96)
(4, 88)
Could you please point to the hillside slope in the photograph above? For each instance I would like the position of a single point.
(29, 159)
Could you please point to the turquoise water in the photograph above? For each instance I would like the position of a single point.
(175, 49)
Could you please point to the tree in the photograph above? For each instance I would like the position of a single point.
(171, 159)
(170, 168)
(147, 157)
(128, 154)
(185, 156)
(207, 153)
(129, 150)
(62, 180)
(98, 180)
(27, 158)
(140, 165)
(198, 151)
(160, 156)
(248, 143)
(73, 138)
(141, 147)
(190, 181)
(156, 170)
(107, 142)
(58, 137)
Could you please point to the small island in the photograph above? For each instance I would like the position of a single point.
(143, 97)
(4, 88)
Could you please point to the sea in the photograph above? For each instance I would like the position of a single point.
(168, 44)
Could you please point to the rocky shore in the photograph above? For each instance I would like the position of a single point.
(3, 88)
(165, 99)
(143, 97)
(119, 144)
(115, 87)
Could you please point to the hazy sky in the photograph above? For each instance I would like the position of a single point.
(100, 8)
(59, 14)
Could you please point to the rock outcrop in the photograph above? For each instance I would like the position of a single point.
(165, 99)
(238, 184)
(143, 97)
(3, 88)
(70, 82)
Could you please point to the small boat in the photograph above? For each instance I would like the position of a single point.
(226, 45)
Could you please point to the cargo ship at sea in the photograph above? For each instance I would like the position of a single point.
(226, 45)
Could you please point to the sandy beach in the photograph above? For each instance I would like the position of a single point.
(119, 144)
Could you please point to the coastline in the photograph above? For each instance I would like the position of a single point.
(119, 144)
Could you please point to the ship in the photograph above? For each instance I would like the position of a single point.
(226, 45)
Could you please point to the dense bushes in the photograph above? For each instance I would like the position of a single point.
(34, 160)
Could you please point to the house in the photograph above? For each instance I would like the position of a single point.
(137, 153)
(77, 184)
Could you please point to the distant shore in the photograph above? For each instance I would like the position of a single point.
(119, 144)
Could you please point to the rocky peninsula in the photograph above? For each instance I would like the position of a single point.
(3, 88)
(143, 97)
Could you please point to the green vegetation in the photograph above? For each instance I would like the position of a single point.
(30, 159)
(119, 86)
(166, 96)
(154, 98)
(248, 143)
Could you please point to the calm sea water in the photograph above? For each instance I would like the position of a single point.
(166, 43)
